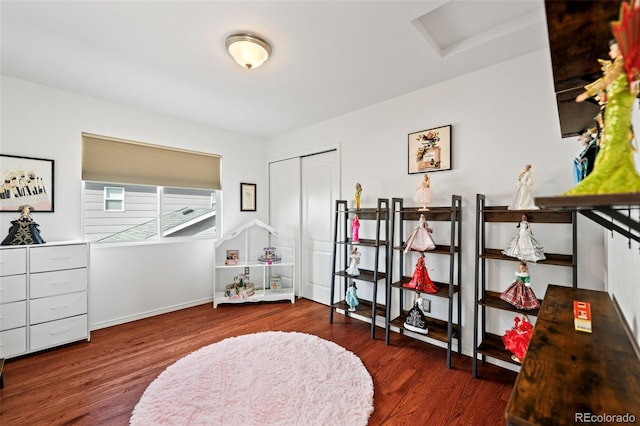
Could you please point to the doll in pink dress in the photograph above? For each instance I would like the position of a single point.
(355, 230)
(420, 238)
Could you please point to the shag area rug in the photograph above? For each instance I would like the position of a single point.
(269, 378)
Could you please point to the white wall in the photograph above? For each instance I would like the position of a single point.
(134, 281)
(503, 117)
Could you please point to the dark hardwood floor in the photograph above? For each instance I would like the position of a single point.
(99, 382)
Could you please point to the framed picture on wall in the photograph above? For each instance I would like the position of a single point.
(430, 150)
(248, 197)
(26, 181)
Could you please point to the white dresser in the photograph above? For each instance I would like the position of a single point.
(43, 296)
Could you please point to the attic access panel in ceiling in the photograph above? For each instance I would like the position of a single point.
(579, 33)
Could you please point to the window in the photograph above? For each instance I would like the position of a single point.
(113, 199)
(159, 192)
(151, 213)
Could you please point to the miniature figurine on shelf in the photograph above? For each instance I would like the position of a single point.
(23, 230)
(423, 193)
(614, 169)
(357, 195)
(519, 293)
(517, 339)
(583, 163)
(523, 198)
(416, 320)
(523, 245)
(420, 238)
(270, 257)
(355, 230)
(352, 297)
(420, 281)
(353, 265)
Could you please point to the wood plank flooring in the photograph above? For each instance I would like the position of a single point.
(99, 382)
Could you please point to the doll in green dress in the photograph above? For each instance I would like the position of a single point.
(614, 169)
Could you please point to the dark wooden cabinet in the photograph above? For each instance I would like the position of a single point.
(440, 329)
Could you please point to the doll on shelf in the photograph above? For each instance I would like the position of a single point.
(523, 245)
(23, 230)
(517, 339)
(614, 170)
(421, 280)
(357, 195)
(355, 230)
(353, 265)
(420, 238)
(523, 198)
(423, 193)
(416, 320)
(519, 293)
(352, 296)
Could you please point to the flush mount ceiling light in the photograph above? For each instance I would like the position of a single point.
(247, 49)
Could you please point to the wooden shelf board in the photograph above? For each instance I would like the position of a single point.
(437, 328)
(493, 347)
(573, 202)
(363, 308)
(503, 214)
(492, 299)
(440, 249)
(365, 242)
(365, 275)
(443, 288)
(551, 258)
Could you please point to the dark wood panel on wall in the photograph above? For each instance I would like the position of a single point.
(579, 33)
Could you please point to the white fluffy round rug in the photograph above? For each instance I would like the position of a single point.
(269, 378)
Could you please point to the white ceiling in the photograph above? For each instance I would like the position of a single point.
(329, 57)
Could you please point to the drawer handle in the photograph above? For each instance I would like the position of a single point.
(59, 282)
(53, 308)
(61, 331)
(60, 258)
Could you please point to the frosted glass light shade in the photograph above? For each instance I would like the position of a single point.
(248, 50)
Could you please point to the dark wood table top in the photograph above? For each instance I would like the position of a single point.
(568, 375)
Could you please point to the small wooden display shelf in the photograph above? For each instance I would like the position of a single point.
(568, 373)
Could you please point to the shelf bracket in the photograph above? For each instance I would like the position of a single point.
(617, 216)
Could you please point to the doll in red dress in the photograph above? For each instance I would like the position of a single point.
(420, 280)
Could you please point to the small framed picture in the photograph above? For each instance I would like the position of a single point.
(430, 150)
(26, 181)
(233, 256)
(275, 283)
(247, 197)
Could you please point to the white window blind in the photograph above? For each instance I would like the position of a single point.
(106, 159)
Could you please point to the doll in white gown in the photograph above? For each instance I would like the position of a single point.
(523, 198)
(420, 238)
(353, 265)
(523, 245)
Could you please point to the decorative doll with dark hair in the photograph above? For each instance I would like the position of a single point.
(421, 280)
(523, 245)
(519, 293)
(352, 297)
(23, 230)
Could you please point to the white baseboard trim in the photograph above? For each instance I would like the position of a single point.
(151, 313)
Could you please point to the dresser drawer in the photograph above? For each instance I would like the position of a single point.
(44, 284)
(13, 261)
(13, 288)
(13, 315)
(59, 332)
(54, 258)
(56, 307)
(13, 342)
